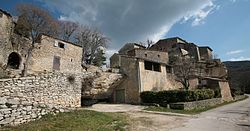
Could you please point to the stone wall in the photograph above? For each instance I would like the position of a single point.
(156, 81)
(196, 104)
(28, 98)
(225, 91)
(42, 57)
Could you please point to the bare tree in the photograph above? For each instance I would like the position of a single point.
(91, 40)
(68, 29)
(184, 69)
(33, 22)
(147, 44)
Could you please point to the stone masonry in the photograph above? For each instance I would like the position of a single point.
(28, 98)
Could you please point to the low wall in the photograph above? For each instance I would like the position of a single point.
(240, 97)
(28, 98)
(196, 104)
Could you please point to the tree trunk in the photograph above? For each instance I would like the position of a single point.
(26, 64)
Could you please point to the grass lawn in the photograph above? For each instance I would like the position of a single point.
(78, 120)
(194, 111)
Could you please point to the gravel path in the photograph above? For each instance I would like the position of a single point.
(232, 117)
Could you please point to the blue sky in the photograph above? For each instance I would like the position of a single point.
(224, 25)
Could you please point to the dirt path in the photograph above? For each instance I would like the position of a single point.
(232, 117)
(154, 122)
(141, 121)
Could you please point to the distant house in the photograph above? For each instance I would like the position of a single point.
(50, 54)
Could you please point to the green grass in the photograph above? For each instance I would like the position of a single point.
(192, 112)
(79, 120)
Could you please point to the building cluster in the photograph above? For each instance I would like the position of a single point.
(152, 69)
(143, 69)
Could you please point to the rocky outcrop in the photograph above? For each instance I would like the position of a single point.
(101, 85)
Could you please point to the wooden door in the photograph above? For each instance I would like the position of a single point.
(120, 96)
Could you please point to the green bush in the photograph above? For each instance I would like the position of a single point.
(149, 97)
(173, 96)
(217, 93)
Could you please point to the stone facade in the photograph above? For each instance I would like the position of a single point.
(150, 69)
(50, 54)
(69, 56)
(143, 70)
(28, 98)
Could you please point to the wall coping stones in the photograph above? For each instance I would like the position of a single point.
(196, 104)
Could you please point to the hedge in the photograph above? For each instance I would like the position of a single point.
(173, 96)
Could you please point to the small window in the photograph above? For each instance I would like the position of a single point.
(156, 67)
(148, 65)
(61, 45)
(146, 55)
(152, 66)
(158, 56)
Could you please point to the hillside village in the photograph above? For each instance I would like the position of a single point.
(57, 80)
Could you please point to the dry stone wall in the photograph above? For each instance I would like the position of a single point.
(28, 98)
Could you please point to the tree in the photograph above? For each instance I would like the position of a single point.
(184, 69)
(99, 59)
(90, 39)
(68, 29)
(33, 22)
(147, 44)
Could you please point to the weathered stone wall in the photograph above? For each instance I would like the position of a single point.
(225, 91)
(196, 104)
(154, 56)
(130, 84)
(43, 56)
(28, 98)
(156, 81)
(6, 27)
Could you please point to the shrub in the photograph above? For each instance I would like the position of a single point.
(149, 97)
(173, 96)
(217, 93)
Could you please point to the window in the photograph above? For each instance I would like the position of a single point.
(152, 66)
(61, 45)
(169, 69)
(56, 63)
(148, 65)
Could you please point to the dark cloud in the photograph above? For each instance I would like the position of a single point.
(132, 20)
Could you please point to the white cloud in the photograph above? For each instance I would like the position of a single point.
(132, 20)
(234, 52)
(241, 58)
(110, 52)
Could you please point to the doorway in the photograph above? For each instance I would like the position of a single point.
(14, 60)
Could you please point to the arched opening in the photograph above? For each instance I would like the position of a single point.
(14, 60)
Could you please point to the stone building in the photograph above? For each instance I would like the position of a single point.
(152, 69)
(50, 54)
(144, 70)
(208, 71)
